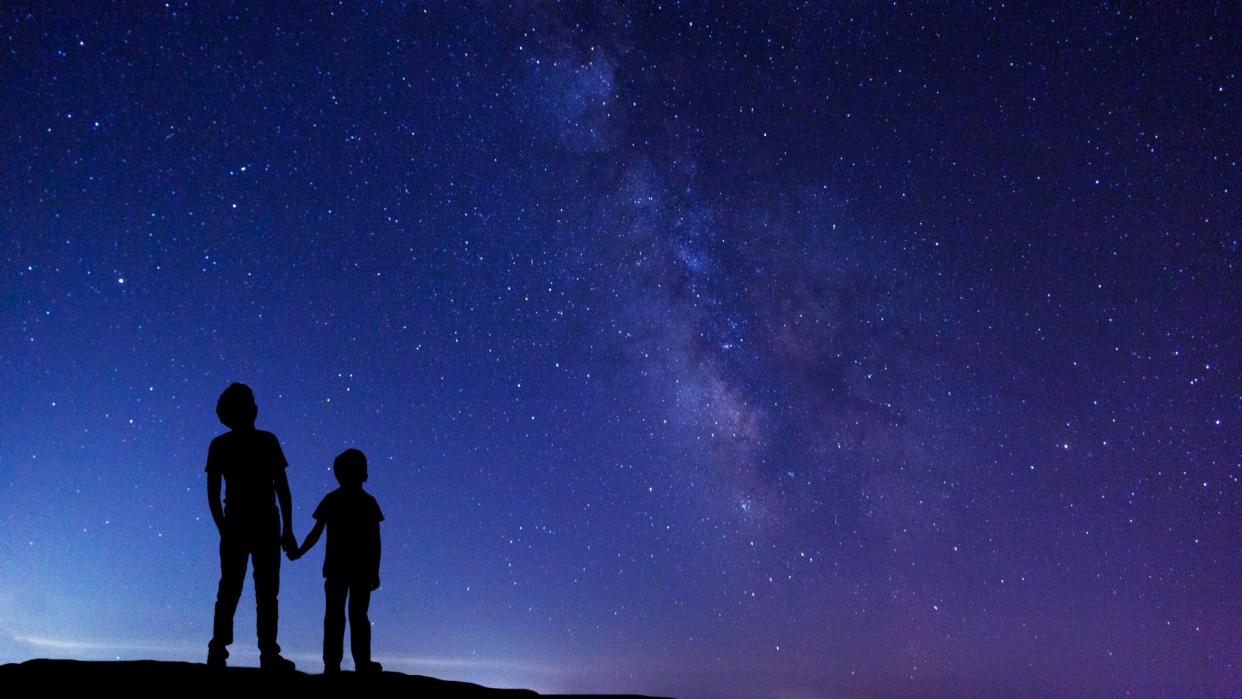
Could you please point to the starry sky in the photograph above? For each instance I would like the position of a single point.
(734, 349)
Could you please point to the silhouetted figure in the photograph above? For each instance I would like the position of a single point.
(351, 564)
(253, 469)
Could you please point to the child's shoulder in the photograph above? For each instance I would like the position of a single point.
(373, 506)
(225, 443)
(327, 505)
(234, 435)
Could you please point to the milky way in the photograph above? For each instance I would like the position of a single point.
(745, 350)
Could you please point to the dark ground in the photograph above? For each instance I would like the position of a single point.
(143, 677)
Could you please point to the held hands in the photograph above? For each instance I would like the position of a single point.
(289, 543)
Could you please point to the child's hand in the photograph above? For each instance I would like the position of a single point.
(375, 583)
(293, 553)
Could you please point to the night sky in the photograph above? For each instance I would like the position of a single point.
(744, 349)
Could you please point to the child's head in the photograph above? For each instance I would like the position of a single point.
(350, 468)
(236, 407)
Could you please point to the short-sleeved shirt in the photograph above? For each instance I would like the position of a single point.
(352, 517)
(250, 461)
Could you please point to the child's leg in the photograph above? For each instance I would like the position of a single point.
(233, 556)
(265, 558)
(333, 623)
(359, 624)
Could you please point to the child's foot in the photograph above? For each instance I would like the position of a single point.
(216, 658)
(334, 669)
(276, 662)
(369, 667)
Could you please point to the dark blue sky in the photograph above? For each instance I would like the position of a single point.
(747, 350)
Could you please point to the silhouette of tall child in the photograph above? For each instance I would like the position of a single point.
(351, 563)
(252, 466)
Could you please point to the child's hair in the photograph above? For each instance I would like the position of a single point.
(236, 407)
(350, 467)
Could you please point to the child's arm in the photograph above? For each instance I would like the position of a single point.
(287, 540)
(213, 500)
(311, 539)
(375, 579)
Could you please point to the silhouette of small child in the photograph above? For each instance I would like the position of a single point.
(351, 564)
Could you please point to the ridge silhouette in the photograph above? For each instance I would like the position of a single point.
(161, 678)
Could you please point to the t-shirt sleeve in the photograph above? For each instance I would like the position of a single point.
(278, 456)
(213, 458)
(324, 511)
(376, 515)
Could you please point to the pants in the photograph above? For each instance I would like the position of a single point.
(261, 544)
(359, 594)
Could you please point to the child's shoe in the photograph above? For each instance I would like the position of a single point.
(216, 658)
(276, 662)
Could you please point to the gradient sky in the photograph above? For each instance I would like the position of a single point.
(742, 349)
